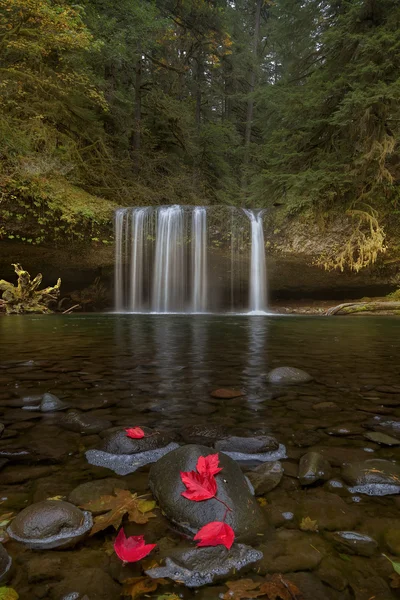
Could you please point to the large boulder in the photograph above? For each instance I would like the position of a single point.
(246, 518)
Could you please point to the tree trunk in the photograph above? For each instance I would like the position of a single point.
(359, 307)
(138, 112)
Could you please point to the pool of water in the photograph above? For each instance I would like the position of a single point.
(159, 371)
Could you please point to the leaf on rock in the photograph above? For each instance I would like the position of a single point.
(199, 487)
(133, 548)
(7, 593)
(6, 519)
(208, 465)
(275, 587)
(216, 533)
(116, 507)
(136, 433)
(308, 524)
(136, 587)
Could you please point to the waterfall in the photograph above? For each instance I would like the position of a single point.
(176, 259)
(199, 259)
(258, 280)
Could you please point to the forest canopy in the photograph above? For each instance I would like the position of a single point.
(294, 103)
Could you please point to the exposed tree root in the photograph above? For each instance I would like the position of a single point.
(358, 307)
(26, 297)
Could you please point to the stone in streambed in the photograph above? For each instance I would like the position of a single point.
(195, 567)
(5, 565)
(353, 542)
(392, 540)
(83, 423)
(266, 477)
(50, 524)
(288, 376)
(246, 517)
(313, 467)
(382, 438)
(1, 429)
(205, 434)
(125, 455)
(92, 490)
(375, 477)
(262, 448)
(329, 510)
(50, 403)
(227, 394)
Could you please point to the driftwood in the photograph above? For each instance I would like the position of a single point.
(25, 297)
(359, 307)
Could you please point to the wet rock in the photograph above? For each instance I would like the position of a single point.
(392, 540)
(353, 542)
(195, 567)
(1, 429)
(91, 582)
(291, 551)
(17, 454)
(330, 573)
(205, 434)
(345, 430)
(247, 445)
(375, 477)
(313, 467)
(336, 486)
(85, 424)
(374, 408)
(266, 477)
(117, 442)
(288, 376)
(326, 406)
(51, 403)
(5, 565)
(329, 510)
(12, 475)
(92, 490)
(227, 394)
(45, 567)
(382, 438)
(50, 524)
(246, 518)
(313, 589)
(304, 439)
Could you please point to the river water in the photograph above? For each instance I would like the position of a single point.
(158, 371)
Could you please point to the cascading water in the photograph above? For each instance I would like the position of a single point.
(189, 259)
(258, 277)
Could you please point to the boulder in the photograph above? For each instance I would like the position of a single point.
(375, 477)
(85, 424)
(313, 467)
(246, 517)
(195, 567)
(288, 376)
(50, 524)
(266, 477)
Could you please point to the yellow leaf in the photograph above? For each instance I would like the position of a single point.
(308, 524)
(262, 501)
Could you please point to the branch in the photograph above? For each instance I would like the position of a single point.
(356, 307)
(164, 65)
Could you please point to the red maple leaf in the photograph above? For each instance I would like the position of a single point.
(136, 433)
(199, 487)
(131, 549)
(208, 465)
(215, 534)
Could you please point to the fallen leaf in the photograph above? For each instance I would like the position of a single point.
(136, 433)
(133, 548)
(57, 498)
(135, 587)
(208, 465)
(275, 587)
(345, 557)
(116, 507)
(6, 519)
(7, 593)
(308, 524)
(215, 534)
(262, 502)
(395, 565)
(199, 487)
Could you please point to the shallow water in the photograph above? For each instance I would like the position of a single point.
(159, 371)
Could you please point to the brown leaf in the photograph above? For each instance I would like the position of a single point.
(274, 587)
(115, 507)
(308, 524)
(137, 586)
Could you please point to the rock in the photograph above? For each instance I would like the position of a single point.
(326, 406)
(288, 376)
(313, 467)
(329, 510)
(195, 567)
(291, 551)
(1, 429)
(304, 439)
(204, 434)
(330, 573)
(247, 445)
(382, 438)
(312, 588)
(392, 540)
(117, 442)
(246, 518)
(50, 524)
(266, 477)
(83, 423)
(12, 475)
(91, 583)
(375, 477)
(51, 403)
(345, 430)
(353, 542)
(92, 490)
(5, 565)
(227, 394)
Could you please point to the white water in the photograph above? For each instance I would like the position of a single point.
(199, 259)
(258, 277)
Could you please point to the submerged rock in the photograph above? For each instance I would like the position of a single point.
(247, 445)
(375, 477)
(382, 438)
(313, 467)
(51, 403)
(92, 490)
(266, 477)
(50, 524)
(5, 565)
(1, 429)
(330, 511)
(125, 455)
(227, 394)
(353, 542)
(195, 567)
(85, 424)
(205, 434)
(288, 376)
(246, 518)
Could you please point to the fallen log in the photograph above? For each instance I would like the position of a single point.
(349, 308)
